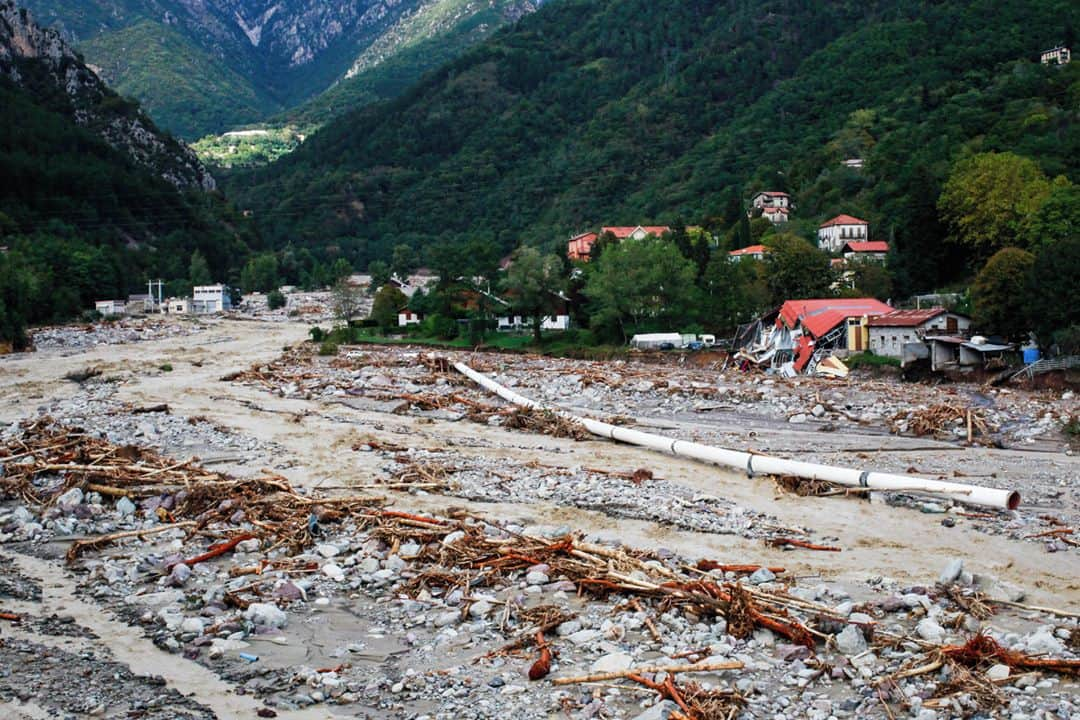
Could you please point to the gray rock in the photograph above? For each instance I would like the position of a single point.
(762, 575)
(612, 662)
(125, 507)
(568, 628)
(819, 410)
(998, 672)
(480, 609)
(1043, 642)
(451, 617)
(660, 711)
(583, 637)
(536, 578)
(951, 572)
(71, 498)
(798, 419)
(850, 641)
(266, 614)
(179, 575)
(929, 630)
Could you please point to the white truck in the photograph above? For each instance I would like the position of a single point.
(670, 341)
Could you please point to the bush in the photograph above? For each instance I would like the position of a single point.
(317, 334)
(275, 300)
(165, 368)
(328, 348)
(869, 359)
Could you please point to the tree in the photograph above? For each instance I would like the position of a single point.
(260, 274)
(795, 269)
(199, 270)
(872, 279)
(1053, 301)
(641, 281)
(999, 293)
(533, 283)
(380, 275)
(275, 299)
(989, 197)
(340, 269)
(734, 292)
(388, 301)
(345, 300)
(403, 261)
(1057, 219)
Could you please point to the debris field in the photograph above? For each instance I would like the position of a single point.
(433, 583)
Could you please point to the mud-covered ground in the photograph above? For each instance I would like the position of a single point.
(354, 639)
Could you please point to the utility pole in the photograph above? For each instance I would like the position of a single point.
(150, 285)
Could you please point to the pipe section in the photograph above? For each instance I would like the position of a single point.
(753, 463)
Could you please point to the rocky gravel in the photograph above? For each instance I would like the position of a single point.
(119, 332)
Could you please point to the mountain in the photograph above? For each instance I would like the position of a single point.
(38, 61)
(204, 66)
(593, 112)
(94, 199)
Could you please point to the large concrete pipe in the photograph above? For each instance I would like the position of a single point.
(754, 463)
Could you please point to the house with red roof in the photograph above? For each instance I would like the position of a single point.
(888, 333)
(833, 233)
(828, 323)
(579, 247)
(773, 206)
(752, 252)
(637, 232)
(873, 251)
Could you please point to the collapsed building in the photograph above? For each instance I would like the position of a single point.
(802, 333)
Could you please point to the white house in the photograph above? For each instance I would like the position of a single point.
(888, 333)
(177, 306)
(1056, 56)
(835, 232)
(210, 299)
(771, 198)
(519, 322)
(774, 206)
(407, 317)
(111, 307)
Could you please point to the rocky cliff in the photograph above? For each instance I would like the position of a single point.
(40, 62)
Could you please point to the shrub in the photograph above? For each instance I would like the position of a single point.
(317, 334)
(275, 299)
(165, 368)
(328, 348)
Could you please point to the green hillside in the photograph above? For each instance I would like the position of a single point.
(621, 112)
(438, 32)
(81, 222)
(177, 83)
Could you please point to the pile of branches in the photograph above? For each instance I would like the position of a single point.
(546, 422)
(940, 420)
(49, 459)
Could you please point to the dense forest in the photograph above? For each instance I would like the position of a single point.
(590, 113)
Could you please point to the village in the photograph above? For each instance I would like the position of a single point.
(801, 335)
(302, 508)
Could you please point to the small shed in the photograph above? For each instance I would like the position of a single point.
(888, 333)
(111, 307)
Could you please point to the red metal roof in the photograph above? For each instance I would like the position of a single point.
(906, 318)
(818, 317)
(751, 250)
(772, 193)
(622, 232)
(843, 220)
(874, 246)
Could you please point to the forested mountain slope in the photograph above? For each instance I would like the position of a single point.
(93, 198)
(628, 111)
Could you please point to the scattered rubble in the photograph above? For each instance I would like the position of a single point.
(128, 330)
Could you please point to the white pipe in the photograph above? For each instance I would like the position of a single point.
(754, 463)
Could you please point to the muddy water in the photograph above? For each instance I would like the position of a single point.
(128, 646)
